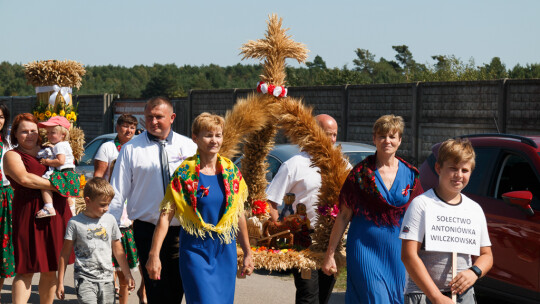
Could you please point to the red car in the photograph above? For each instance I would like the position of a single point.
(506, 183)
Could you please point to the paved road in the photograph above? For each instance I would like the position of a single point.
(261, 287)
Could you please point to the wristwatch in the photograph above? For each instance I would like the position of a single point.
(477, 271)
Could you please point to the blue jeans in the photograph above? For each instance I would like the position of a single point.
(94, 292)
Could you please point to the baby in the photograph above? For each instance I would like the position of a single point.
(60, 160)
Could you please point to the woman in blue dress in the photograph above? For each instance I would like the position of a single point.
(374, 199)
(207, 195)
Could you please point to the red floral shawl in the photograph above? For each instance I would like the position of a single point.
(360, 193)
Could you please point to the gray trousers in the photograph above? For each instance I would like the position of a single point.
(94, 292)
(419, 298)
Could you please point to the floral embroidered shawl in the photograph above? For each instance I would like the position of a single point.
(181, 196)
(360, 193)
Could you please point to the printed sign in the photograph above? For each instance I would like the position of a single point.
(451, 231)
(134, 108)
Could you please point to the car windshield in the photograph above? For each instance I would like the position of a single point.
(90, 151)
(356, 157)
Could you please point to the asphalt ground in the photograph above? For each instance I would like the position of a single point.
(260, 287)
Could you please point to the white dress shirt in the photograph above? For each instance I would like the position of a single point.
(297, 176)
(137, 175)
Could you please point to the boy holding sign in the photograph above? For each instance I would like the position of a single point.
(442, 221)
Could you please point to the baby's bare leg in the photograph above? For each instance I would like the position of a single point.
(48, 208)
(47, 196)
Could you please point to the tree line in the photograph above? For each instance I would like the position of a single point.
(174, 81)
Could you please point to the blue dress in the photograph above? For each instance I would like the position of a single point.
(208, 267)
(375, 273)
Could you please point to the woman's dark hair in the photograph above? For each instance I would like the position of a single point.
(127, 119)
(5, 112)
(17, 121)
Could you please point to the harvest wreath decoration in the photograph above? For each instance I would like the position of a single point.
(254, 121)
(53, 81)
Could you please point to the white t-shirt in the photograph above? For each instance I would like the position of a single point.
(63, 147)
(439, 264)
(297, 176)
(107, 153)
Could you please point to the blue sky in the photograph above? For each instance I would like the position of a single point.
(128, 33)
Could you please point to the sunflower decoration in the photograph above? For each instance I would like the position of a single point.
(54, 81)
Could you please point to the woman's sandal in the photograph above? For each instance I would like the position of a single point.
(46, 212)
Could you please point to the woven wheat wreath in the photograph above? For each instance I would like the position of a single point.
(254, 122)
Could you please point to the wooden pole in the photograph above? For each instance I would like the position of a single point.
(454, 273)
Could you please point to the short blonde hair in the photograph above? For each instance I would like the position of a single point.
(207, 121)
(62, 130)
(387, 124)
(457, 151)
(98, 188)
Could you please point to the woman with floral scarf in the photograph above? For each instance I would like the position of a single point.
(374, 199)
(207, 195)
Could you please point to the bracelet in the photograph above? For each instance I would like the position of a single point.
(477, 271)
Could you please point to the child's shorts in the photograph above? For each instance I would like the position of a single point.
(419, 298)
(94, 292)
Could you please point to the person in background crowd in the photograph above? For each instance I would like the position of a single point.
(103, 164)
(140, 176)
(7, 260)
(373, 199)
(126, 125)
(210, 220)
(37, 242)
(297, 176)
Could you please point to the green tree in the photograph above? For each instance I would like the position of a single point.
(494, 70)
(451, 68)
(365, 62)
(317, 63)
(163, 84)
(525, 72)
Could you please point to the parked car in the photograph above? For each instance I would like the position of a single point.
(506, 183)
(281, 153)
(86, 164)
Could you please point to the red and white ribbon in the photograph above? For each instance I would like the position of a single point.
(277, 91)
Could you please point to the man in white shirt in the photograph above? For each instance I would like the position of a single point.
(297, 176)
(141, 174)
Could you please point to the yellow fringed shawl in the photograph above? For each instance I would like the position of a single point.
(181, 197)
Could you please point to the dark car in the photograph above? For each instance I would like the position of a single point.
(506, 183)
(356, 152)
(86, 164)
